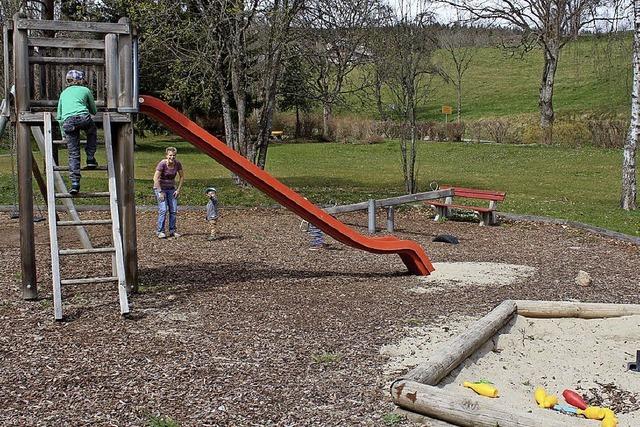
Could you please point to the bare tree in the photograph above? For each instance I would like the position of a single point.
(333, 42)
(222, 53)
(410, 71)
(278, 21)
(549, 24)
(629, 184)
(460, 46)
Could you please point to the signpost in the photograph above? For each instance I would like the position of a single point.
(446, 110)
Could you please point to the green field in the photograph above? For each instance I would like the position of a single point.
(580, 185)
(594, 75)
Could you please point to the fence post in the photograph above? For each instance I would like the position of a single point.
(372, 216)
(390, 219)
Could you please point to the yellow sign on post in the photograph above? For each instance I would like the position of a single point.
(446, 110)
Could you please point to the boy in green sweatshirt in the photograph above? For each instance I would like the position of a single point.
(75, 107)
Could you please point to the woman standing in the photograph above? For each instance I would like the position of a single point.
(164, 187)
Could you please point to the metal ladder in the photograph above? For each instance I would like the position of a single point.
(116, 250)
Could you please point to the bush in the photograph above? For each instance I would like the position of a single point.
(608, 132)
(572, 134)
(355, 130)
(455, 131)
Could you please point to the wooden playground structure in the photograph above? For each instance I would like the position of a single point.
(37, 55)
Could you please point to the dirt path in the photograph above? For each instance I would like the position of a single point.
(255, 329)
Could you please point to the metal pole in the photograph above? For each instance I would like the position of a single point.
(371, 210)
(390, 219)
(25, 156)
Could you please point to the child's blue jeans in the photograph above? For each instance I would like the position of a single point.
(71, 128)
(170, 203)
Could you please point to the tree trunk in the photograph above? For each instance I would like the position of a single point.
(266, 114)
(297, 131)
(229, 129)
(629, 180)
(409, 151)
(326, 121)
(378, 94)
(459, 100)
(551, 54)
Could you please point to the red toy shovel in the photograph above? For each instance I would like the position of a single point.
(574, 399)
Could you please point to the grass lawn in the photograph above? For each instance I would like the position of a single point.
(594, 75)
(576, 184)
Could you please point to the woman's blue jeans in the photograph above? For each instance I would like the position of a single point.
(170, 204)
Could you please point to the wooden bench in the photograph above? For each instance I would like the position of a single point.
(277, 135)
(487, 214)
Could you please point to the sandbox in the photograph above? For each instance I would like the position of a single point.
(521, 345)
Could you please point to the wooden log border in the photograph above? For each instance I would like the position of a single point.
(416, 392)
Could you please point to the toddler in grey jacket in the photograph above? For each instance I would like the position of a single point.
(212, 212)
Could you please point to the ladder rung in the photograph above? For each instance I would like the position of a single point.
(85, 251)
(64, 142)
(81, 194)
(85, 222)
(89, 280)
(66, 168)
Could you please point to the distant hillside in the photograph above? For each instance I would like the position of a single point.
(594, 76)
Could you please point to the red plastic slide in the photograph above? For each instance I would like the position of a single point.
(410, 252)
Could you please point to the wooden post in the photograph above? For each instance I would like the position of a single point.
(124, 156)
(25, 156)
(125, 61)
(39, 179)
(390, 219)
(470, 410)
(371, 210)
(111, 70)
(454, 351)
(126, 191)
(582, 310)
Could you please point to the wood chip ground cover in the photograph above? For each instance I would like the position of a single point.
(255, 329)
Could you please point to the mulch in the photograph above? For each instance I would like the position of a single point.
(255, 329)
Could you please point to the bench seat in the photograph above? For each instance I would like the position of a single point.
(463, 207)
(487, 214)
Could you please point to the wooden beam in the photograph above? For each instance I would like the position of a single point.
(62, 60)
(6, 45)
(392, 201)
(466, 410)
(125, 173)
(84, 26)
(111, 70)
(64, 43)
(583, 310)
(453, 352)
(421, 419)
(28, 117)
(24, 161)
(54, 103)
(125, 71)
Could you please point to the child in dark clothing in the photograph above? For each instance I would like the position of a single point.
(75, 107)
(212, 213)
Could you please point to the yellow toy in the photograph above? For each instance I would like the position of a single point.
(482, 388)
(543, 399)
(593, 412)
(609, 419)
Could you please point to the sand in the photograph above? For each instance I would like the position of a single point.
(589, 356)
